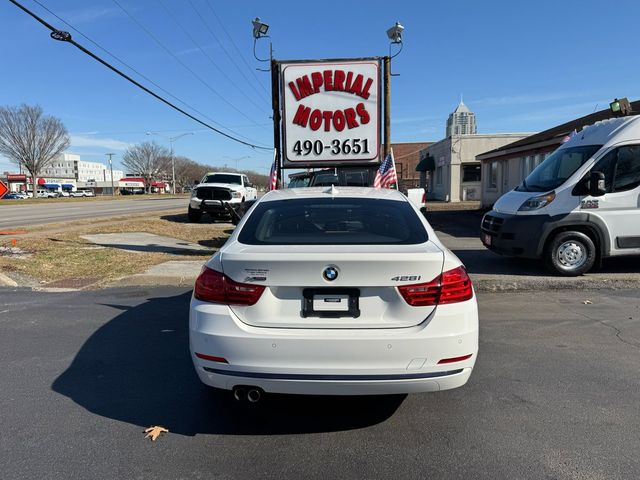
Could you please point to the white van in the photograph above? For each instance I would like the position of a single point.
(579, 206)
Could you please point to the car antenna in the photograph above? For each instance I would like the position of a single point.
(333, 190)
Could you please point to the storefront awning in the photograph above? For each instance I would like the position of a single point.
(427, 164)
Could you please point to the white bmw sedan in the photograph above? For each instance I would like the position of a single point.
(343, 291)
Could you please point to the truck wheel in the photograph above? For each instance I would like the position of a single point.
(194, 215)
(570, 254)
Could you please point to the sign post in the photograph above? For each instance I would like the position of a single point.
(331, 112)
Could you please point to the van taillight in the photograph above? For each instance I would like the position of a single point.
(424, 197)
(451, 286)
(216, 287)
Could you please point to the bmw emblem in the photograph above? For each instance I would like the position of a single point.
(330, 274)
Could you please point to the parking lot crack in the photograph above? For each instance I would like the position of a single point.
(619, 332)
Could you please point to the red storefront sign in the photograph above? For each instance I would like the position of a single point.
(16, 177)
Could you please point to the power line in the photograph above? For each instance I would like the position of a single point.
(224, 49)
(236, 48)
(211, 60)
(177, 59)
(143, 75)
(66, 37)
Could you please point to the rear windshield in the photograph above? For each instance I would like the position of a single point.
(333, 221)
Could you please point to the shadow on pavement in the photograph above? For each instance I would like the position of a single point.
(183, 218)
(457, 223)
(465, 224)
(137, 369)
(489, 263)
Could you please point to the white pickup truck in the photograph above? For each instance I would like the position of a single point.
(217, 191)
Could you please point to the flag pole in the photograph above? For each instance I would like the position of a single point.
(393, 163)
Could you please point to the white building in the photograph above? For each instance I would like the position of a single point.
(461, 122)
(63, 169)
(457, 176)
(70, 168)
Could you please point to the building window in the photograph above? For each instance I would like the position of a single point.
(493, 175)
(471, 173)
(439, 176)
(399, 170)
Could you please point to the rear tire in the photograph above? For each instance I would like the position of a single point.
(570, 254)
(194, 215)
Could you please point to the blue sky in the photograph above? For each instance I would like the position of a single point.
(521, 66)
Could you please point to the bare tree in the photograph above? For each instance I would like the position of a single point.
(149, 160)
(187, 172)
(31, 139)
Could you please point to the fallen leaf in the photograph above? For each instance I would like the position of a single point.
(587, 302)
(154, 432)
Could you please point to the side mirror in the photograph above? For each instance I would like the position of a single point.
(597, 186)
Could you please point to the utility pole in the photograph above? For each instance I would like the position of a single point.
(173, 166)
(275, 93)
(173, 163)
(387, 106)
(113, 191)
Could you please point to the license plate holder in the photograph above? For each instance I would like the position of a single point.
(330, 302)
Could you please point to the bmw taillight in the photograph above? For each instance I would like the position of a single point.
(451, 286)
(216, 287)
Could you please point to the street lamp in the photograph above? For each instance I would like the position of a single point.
(113, 192)
(395, 33)
(620, 107)
(173, 163)
(260, 28)
(236, 159)
(395, 38)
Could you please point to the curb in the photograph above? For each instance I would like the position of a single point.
(518, 284)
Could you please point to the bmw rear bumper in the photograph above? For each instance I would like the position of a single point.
(332, 361)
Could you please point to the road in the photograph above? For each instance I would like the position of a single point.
(17, 215)
(554, 395)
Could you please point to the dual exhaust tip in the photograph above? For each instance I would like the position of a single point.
(250, 394)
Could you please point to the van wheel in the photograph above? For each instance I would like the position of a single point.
(194, 215)
(570, 254)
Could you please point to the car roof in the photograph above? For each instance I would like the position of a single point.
(338, 192)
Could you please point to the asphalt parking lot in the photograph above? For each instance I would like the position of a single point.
(555, 394)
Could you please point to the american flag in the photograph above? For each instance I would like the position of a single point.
(273, 174)
(386, 175)
(568, 137)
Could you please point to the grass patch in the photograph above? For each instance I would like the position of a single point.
(56, 256)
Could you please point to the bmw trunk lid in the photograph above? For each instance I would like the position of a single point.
(346, 286)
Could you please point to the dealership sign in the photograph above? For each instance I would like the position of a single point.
(331, 112)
